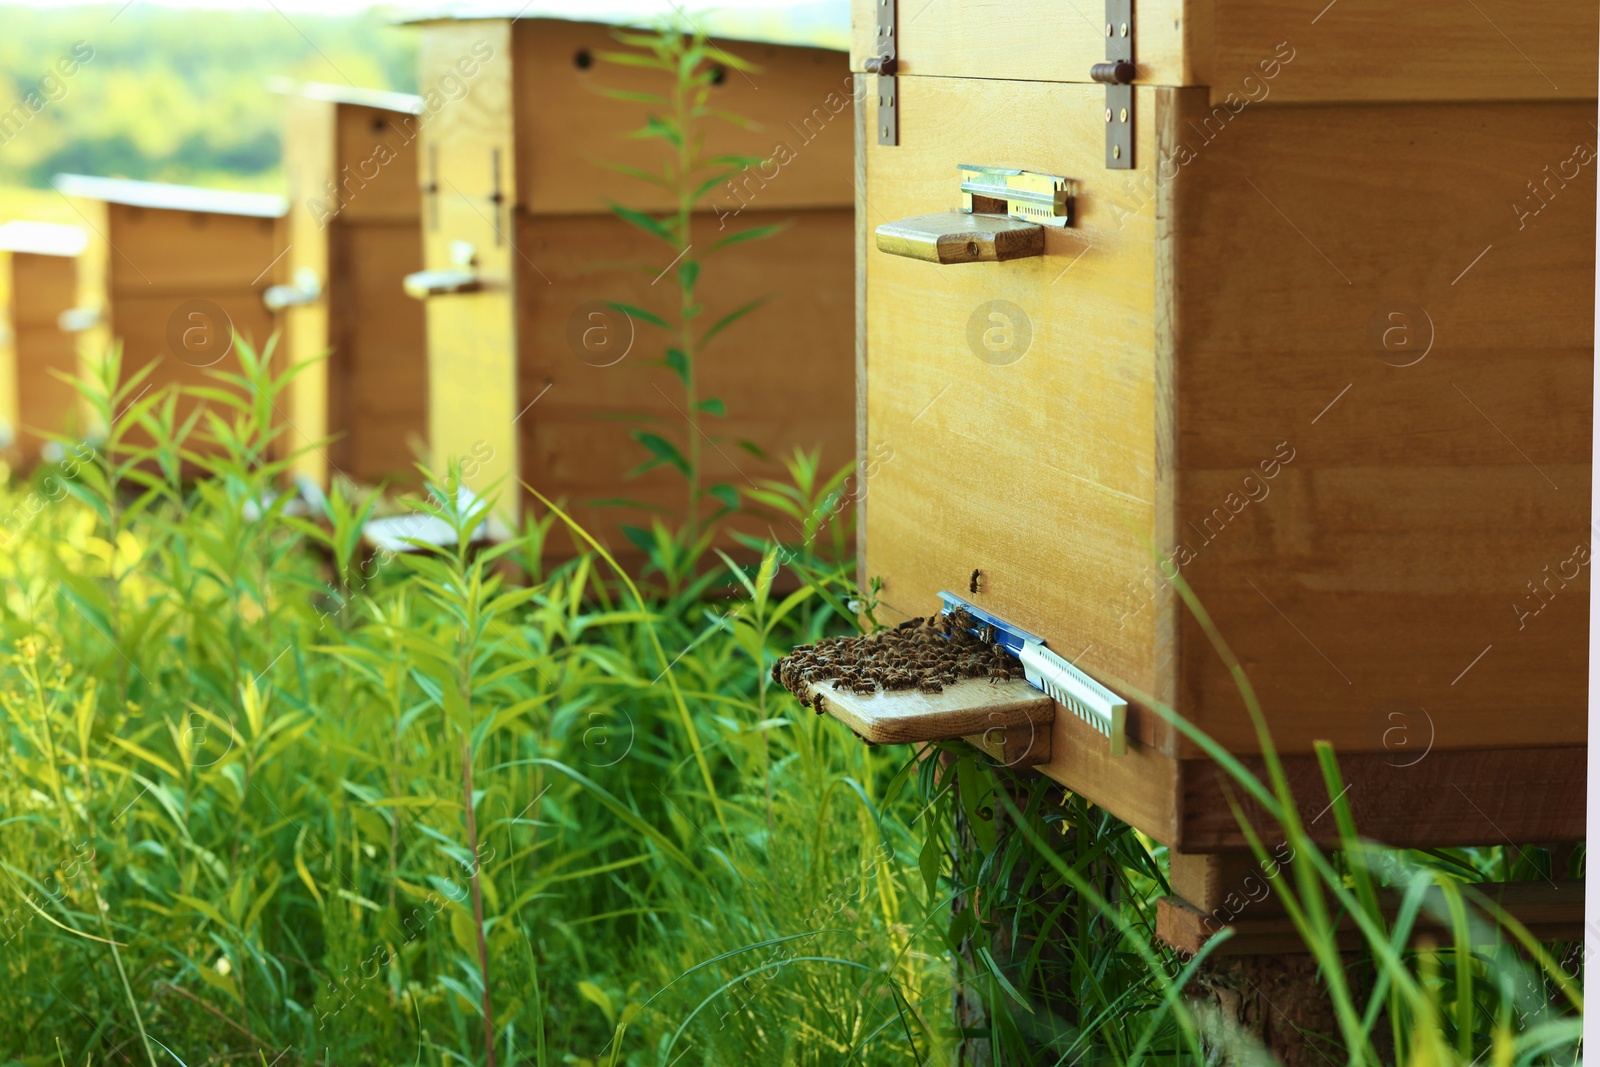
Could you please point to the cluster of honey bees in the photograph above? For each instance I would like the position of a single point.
(923, 654)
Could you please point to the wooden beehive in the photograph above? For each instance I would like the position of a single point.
(354, 234)
(170, 272)
(515, 134)
(1330, 362)
(38, 281)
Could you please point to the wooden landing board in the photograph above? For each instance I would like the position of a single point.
(957, 237)
(1552, 911)
(1010, 720)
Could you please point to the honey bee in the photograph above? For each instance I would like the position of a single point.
(999, 673)
(973, 586)
(931, 685)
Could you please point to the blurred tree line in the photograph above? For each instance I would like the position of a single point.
(173, 94)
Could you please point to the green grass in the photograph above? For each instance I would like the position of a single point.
(241, 757)
(234, 793)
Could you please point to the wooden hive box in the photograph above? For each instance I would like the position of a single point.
(38, 281)
(170, 271)
(515, 134)
(1316, 336)
(354, 227)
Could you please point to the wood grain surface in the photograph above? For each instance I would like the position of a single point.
(1425, 355)
(971, 706)
(1552, 911)
(1262, 51)
(957, 237)
(467, 150)
(798, 98)
(41, 288)
(1347, 400)
(360, 240)
(1449, 798)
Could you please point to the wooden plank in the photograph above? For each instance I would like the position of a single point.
(1364, 523)
(783, 372)
(1223, 883)
(172, 285)
(42, 288)
(1448, 798)
(140, 323)
(1011, 39)
(355, 224)
(1157, 596)
(985, 433)
(467, 151)
(799, 102)
(1371, 50)
(954, 237)
(974, 468)
(174, 252)
(1551, 911)
(376, 165)
(10, 369)
(309, 150)
(972, 706)
(93, 345)
(1140, 787)
(379, 335)
(862, 244)
(1263, 51)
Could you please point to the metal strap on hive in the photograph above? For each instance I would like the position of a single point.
(1117, 72)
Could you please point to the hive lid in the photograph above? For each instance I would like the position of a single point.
(347, 94)
(806, 23)
(42, 238)
(171, 197)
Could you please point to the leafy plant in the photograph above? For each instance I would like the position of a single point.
(260, 850)
(693, 67)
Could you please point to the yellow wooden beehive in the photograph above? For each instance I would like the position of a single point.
(354, 228)
(171, 272)
(516, 197)
(38, 282)
(1309, 325)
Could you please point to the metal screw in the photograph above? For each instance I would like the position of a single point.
(1116, 151)
(1108, 114)
(1124, 115)
(1124, 29)
(1108, 29)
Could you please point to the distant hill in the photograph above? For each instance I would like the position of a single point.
(174, 95)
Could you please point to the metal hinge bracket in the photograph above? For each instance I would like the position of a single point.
(1117, 72)
(883, 65)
